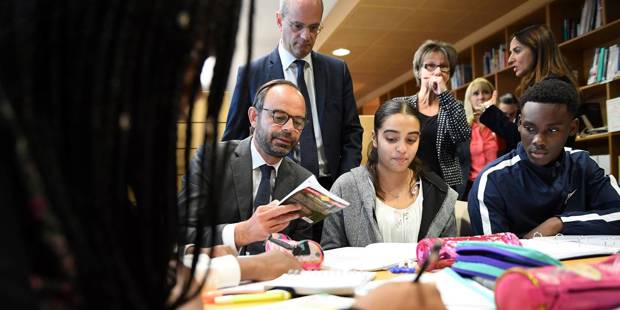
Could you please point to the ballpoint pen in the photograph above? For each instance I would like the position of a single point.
(431, 259)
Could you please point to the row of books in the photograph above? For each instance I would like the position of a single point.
(605, 64)
(462, 74)
(570, 28)
(495, 60)
(591, 16)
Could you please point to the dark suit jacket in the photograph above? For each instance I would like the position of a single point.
(233, 190)
(338, 118)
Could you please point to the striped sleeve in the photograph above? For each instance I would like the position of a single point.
(602, 215)
(486, 205)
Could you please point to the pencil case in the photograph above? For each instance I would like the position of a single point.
(491, 259)
(577, 286)
(309, 253)
(447, 253)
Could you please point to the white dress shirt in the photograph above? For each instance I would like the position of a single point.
(223, 271)
(290, 74)
(228, 233)
(400, 225)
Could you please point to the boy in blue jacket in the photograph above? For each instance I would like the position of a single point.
(542, 187)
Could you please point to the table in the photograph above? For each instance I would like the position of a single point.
(384, 275)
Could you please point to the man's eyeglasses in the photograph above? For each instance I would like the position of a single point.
(297, 27)
(281, 118)
(431, 67)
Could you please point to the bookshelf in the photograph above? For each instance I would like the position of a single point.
(578, 51)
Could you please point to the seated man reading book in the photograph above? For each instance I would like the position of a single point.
(255, 172)
(542, 187)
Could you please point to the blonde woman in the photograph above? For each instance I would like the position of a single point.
(483, 145)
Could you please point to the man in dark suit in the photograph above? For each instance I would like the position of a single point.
(256, 170)
(331, 143)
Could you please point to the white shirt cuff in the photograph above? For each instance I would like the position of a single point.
(224, 270)
(228, 236)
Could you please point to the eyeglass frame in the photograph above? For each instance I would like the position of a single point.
(295, 24)
(442, 68)
(288, 116)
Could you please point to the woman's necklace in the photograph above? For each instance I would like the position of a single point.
(413, 190)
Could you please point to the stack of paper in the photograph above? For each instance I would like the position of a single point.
(565, 247)
(376, 256)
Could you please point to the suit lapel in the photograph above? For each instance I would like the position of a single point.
(241, 165)
(320, 87)
(275, 66)
(285, 180)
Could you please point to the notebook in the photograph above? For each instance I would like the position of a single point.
(456, 292)
(373, 257)
(336, 282)
(312, 302)
(566, 247)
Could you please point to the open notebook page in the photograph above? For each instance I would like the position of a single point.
(376, 256)
(562, 249)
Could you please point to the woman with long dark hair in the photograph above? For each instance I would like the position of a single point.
(535, 56)
(89, 99)
(392, 198)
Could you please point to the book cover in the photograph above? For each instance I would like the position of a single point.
(593, 69)
(315, 200)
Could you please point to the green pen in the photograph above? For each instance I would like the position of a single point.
(272, 295)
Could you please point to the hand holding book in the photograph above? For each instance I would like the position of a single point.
(316, 202)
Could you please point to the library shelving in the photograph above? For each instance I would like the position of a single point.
(578, 50)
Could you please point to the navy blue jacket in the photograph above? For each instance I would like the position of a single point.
(512, 194)
(338, 118)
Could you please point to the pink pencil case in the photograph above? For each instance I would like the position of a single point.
(579, 286)
(447, 254)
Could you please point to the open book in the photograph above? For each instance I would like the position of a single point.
(315, 200)
(373, 257)
(566, 247)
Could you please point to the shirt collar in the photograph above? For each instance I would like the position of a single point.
(257, 159)
(287, 58)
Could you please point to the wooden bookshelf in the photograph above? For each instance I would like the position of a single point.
(578, 52)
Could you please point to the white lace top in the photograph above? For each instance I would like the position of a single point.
(400, 225)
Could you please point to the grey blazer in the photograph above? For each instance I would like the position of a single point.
(233, 190)
(356, 225)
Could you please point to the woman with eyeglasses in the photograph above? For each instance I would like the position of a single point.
(442, 117)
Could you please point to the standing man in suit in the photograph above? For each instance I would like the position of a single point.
(256, 173)
(332, 142)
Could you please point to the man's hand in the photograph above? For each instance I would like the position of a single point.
(550, 227)
(404, 295)
(266, 219)
(267, 266)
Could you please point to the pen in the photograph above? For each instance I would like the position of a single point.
(272, 295)
(431, 259)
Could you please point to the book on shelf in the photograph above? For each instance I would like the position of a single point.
(315, 200)
(462, 74)
(591, 16)
(495, 60)
(605, 64)
(613, 114)
(569, 28)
